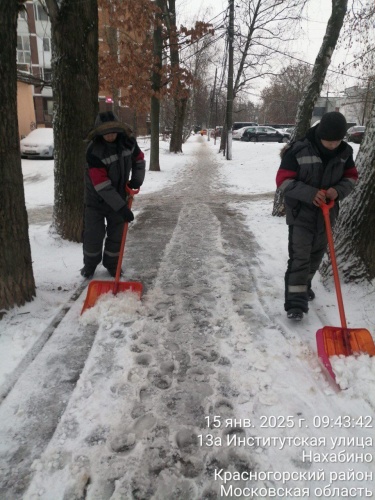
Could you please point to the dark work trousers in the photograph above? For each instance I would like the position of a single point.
(102, 224)
(306, 249)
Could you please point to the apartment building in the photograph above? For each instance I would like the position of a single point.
(35, 101)
(354, 103)
(116, 99)
(34, 93)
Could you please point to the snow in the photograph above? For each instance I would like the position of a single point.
(138, 398)
(356, 373)
(42, 136)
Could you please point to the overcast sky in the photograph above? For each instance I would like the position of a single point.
(305, 48)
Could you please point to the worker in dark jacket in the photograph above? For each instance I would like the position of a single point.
(315, 169)
(112, 158)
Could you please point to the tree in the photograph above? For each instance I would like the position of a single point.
(321, 65)
(156, 79)
(128, 62)
(354, 231)
(179, 78)
(179, 90)
(75, 89)
(281, 98)
(142, 66)
(17, 284)
(202, 100)
(315, 84)
(261, 27)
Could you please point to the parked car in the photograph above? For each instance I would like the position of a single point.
(283, 130)
(38, 144)
(355, 134)
(237, 134)
(237, 125)
(264, 134)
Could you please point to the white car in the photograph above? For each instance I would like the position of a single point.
(38, 144)
(237, 134)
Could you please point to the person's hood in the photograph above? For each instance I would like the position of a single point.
(110, 127)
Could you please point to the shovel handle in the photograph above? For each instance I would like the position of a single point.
(326, 207)
(131, 193)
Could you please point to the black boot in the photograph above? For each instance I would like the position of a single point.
(310, 292)
(112, 271)
(88, 271)
(295, 313)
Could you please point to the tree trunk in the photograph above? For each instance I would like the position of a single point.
(175, 145)
(314, 87)
(75, 89)
(154, 148)
(354, 230)
(223, 138)
(230, 93)
(180, 93)
(322, 62)
(17, 284)
(156, 86)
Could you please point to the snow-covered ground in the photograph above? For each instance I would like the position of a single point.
(203, 385)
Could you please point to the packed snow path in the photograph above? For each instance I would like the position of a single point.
(125, 408)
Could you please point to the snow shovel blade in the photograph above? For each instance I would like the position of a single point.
(336, 341)
(97, 288)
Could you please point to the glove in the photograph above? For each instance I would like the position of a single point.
(134, 184)
(126, 214)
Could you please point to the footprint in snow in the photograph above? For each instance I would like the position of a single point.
(268, 399)
(143, 359)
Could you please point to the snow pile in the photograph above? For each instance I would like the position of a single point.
(124, 308)
(356, 374)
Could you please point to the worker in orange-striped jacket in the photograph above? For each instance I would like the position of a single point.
(312, 170)
(113, 158)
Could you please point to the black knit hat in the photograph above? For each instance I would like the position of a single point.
(332, 126)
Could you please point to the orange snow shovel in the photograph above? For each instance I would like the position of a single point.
(332, 340)
(97, 288)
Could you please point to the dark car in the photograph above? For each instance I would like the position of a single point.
(237, 125)
(355, 134)
(264, 134)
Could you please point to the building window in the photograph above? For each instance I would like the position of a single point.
(319, 111)
(47, 75)
(46, 45)
(23, 49)
(48, 110)
(40, 13)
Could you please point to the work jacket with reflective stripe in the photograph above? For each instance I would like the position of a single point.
(308, 174)
(108, 168)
